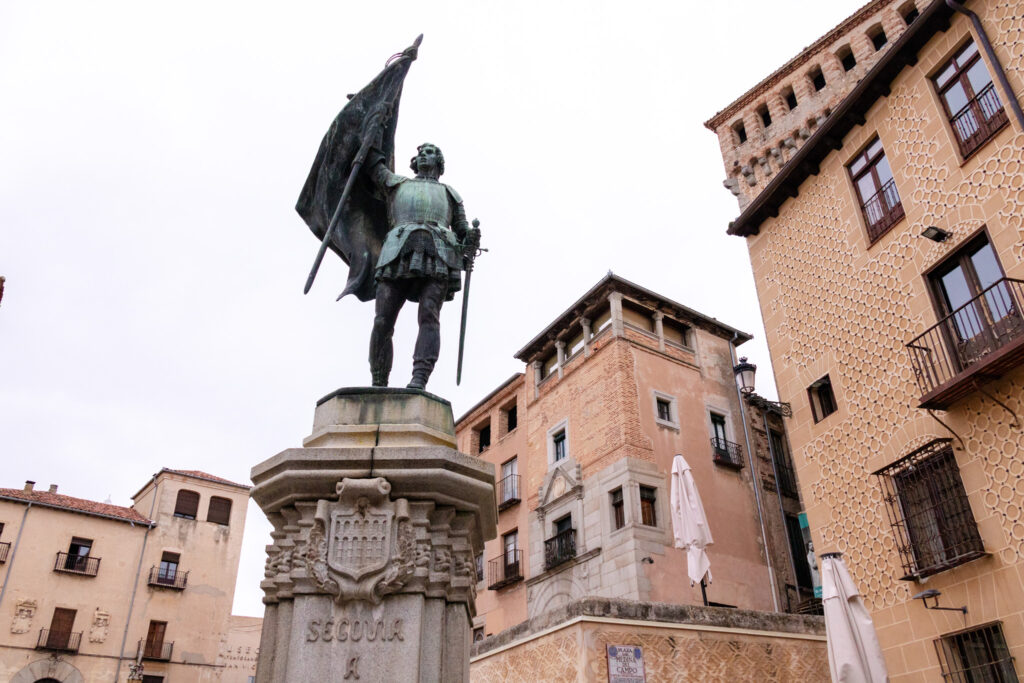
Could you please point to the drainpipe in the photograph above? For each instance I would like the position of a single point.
(778, 492)
(138, 573)
(753, 476)
(993, 60)
(14, 553)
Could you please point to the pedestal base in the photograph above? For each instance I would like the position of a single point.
(372, 573)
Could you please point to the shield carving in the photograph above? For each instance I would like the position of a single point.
(360, 539)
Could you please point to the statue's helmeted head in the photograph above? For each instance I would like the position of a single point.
(429, 154)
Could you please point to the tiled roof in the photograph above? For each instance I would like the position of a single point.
(203, 475)
(62, 502)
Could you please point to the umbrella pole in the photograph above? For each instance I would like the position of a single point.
(704, 592)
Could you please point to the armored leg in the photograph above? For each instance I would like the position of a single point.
(390, 297)
(428, 341)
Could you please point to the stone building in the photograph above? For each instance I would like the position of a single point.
(583, 443)
(888, 262)
(93, 590)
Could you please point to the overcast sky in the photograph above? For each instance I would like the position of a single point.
(150, 159)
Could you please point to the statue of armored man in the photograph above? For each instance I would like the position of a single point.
(404, 239)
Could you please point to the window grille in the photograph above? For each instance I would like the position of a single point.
(976, 654)
(929, 511)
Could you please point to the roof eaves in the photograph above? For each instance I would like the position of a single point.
(116, 518)
(848, 113)
(488, 397)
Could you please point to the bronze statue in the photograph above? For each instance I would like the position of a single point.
(404, 239)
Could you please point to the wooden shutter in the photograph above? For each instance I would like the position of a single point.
(220, 510)
(60, 628)
(155, 638)
(187, 505)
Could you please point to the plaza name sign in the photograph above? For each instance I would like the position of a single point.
(626, 664)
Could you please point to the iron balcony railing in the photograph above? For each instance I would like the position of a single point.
(560, 549)
(726, 453)
(978, 120)
(5, 549)
(61, 641)
(83, 565)
(505, 569)
(882, 210)
(985, 336)
(157, 651)
(167, 578)
(508, 491)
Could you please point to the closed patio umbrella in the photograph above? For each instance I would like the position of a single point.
(689, 523)
(854, 655)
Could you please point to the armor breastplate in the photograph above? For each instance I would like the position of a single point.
(420, 201)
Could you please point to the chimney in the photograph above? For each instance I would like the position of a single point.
(53, 488)
(29, 485)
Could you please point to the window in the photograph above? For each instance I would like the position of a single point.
(817, 77)
(479, 566)
(847, 58)
(548, 366)
(558, 445)
(562, 546)
(766, 116)
(974, 109)
(478, 634)
(168, 568)
(822, 398)
(146, 678)
(783, 465)
(976, 654)
(878, 37)
(909, 12)
(790, 98)
(60, 636)
(666, 412)
(718, 427)
(603, 321)
(187, 504)
(798, 552)
(510, 542)
(876, 188)
(509, 485)
(506, 568)
(484, 436)
(741, 131)
(155, 640)
(574, 345)
(648, 514)
(929, 511)
(618, 509)
(219, 511)
(664, 409)
(563, 525)
(78, 554)
(511, 418)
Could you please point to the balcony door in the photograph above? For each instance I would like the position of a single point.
(155, 639)
(980, 310)
(60, 628)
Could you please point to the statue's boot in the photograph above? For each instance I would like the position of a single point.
(419, 379)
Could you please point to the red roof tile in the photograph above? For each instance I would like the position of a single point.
(88, 507)
(203, 475)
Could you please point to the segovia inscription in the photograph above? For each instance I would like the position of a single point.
(354, 630)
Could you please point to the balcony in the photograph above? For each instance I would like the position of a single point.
(58, 641)
(726, 453)
(508, 491)
(883, 210)
(506, 569)
(981, 340)
(165, 578)
(5, 549)
(560, 549)
(978, 120)
(83, 565)
(156, 651)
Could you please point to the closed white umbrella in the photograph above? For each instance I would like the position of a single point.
(854, 655)
(689, 523)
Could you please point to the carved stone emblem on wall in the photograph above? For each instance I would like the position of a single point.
(100, 626)
(362, 546)
(24, 610)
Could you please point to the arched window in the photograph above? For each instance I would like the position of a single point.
(846, 57)
(219, 511)
(877, 35)
(187, 505)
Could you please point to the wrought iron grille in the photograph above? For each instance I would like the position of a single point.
(84, 565)
(61, 641)
(505, 569)
(783, 466)
(157, 651)
(726, 453)
(5, 549)
(882, 210)
(969, 337)
(976, 654)
(560, 548)
(929, 511)
(978, 120)
(508, 491)
(168, 578)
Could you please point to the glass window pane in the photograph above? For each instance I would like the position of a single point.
(978, 76)
(986, 266)
(883, 170)
(970, 49)
(875, 148)
(859, 164)
(956, 98)
(866, 187)
(947, 74)
(955, 289)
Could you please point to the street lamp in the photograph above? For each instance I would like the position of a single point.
(745, 376)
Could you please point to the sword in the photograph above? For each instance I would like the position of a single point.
(470, 250)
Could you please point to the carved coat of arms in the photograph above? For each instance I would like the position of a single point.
(361, 546)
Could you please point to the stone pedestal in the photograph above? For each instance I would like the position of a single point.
(377, 523)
